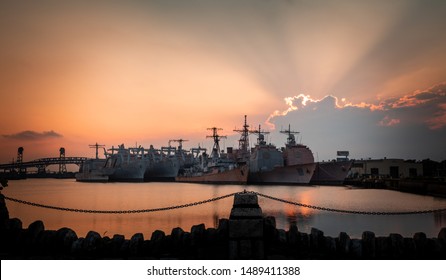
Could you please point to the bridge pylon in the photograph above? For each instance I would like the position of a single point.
(19, 161)
(62, 165)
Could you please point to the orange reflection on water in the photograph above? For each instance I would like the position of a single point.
(137, 196)
(297, 214)
(118, 196)
(305, 198)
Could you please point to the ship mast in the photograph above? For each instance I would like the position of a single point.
(243, 143)
(216, 137)
(96, 146)
(180, 153)
(180, 143)
(291, 140)
(260, 135)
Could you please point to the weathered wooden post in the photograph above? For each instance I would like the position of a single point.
(246, 228)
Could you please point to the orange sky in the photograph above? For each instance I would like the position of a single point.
(148, 71)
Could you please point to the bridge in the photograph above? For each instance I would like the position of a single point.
(42, 164)
(20, 166)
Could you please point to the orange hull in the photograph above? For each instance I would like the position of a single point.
(237, 175)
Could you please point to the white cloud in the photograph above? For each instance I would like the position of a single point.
(413, 126)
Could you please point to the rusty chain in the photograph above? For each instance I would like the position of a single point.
(119, 211)
(351, 211)
(222, 197)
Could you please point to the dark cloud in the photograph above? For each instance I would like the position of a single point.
(413, 126)
(33, 135)
(426, 96)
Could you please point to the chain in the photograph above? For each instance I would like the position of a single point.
(222, 197)
(119, 211)
(350, 211)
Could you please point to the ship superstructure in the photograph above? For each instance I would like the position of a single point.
(293, 164)
(92, 170)
(218, 168)
(126, 164)
(241, 155)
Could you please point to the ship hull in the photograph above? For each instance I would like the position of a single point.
(91, 177)
(130, 172)
(127, 175)
(92, 170)
(162, 171)
(299, 174)
(331, 173)
(237, 175)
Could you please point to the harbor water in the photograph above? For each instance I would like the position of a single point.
(68, 193)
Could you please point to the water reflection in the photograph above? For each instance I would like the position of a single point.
(440, 219)
(129, 196)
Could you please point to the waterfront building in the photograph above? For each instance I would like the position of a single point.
(386, 168)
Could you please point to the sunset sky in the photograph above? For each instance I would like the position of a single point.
(363, 76)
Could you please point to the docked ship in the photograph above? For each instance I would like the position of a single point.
(92, 170)
(127, 164)
(294, 164)
(162, 165)
(185, 158)
(218, 168)
(332, 172)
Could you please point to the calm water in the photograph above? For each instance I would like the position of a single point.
(129, 196)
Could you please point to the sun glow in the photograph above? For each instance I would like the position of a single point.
(148, 71)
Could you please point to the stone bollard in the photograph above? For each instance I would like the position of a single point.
(246, 228)
(136, 245)
(368, 245)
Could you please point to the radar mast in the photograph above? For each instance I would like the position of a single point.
(216, 137)
(291, 140)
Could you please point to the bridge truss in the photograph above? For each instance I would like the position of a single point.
(41, 164)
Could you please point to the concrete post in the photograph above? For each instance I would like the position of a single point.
(246, 228)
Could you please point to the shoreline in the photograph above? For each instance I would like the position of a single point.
(429, 187)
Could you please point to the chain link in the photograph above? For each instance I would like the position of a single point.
(222, 197)
(350, 211)
(119, 211)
